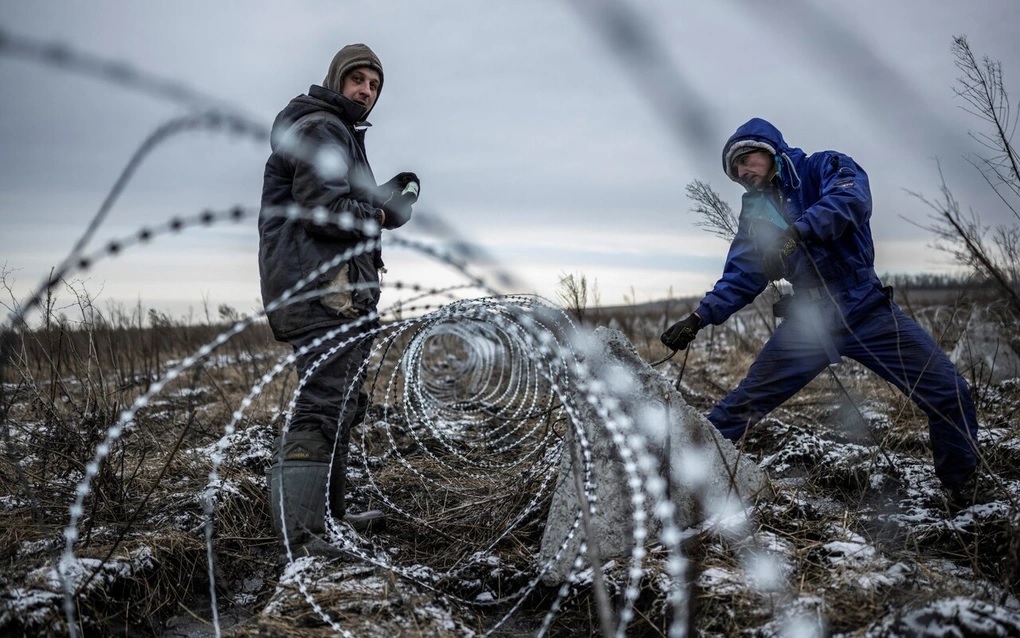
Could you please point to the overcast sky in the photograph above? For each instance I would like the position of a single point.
(536, 135)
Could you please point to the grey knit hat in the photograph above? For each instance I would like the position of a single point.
(347, 59)
(741, 148)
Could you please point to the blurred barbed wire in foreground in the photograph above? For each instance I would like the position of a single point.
(475, 380)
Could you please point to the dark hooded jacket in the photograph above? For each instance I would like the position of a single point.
(826, 196)
(318, 164)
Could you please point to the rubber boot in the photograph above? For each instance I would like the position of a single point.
(367, 521)
(299, 482)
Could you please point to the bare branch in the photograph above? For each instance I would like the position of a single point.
(716, 215)
(982, 86)
(963, 238)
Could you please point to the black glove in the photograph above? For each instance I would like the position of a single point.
(773, 260)
(682, 333)
(397, 184)
(396, 198)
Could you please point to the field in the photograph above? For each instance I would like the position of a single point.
(135, 496)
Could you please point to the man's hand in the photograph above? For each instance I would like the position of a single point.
(397, 184)
(682, 333)
(396, 199)
(773, 261)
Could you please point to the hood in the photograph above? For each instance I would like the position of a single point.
(352, 56)
(756, 133)
(317, 99)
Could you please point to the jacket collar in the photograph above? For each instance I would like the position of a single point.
(350, 112)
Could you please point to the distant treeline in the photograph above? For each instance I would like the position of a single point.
(936, 281)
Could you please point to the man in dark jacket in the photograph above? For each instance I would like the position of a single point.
(806, 218)
(319, 263)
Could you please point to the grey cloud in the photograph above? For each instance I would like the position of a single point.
(512, 114)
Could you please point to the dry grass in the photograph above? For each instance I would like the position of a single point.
(465, 520)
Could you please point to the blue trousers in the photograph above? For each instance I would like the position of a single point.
(864, 325)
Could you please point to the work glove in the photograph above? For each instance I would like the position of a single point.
(773, 260)
(396, 197)
(682, 333)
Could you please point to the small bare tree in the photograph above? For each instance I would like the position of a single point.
(991, 253)
(982, 87)
(575, 294)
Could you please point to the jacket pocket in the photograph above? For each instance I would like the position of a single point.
(340, 296)
(365, 277)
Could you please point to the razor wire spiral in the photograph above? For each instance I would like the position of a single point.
(475, 408)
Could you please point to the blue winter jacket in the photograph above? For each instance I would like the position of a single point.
(826, 196)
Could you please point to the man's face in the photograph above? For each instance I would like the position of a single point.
(755, 168)
(362, 86)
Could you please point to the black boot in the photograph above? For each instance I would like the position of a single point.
(300, 485)
(975, 489)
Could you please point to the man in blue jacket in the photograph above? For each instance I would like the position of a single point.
(806, 218)
(319, 264)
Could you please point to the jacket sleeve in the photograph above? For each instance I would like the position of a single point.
(742, 280)
(844, 202)
(322, 179)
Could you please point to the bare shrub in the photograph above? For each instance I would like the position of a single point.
(990, 253)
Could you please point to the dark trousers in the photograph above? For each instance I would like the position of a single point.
(875, 332)
(330, 398)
